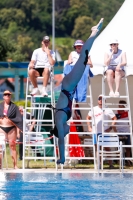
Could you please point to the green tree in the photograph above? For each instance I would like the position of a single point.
(11, 15)
(82, 27)
(5, 46)
(22, 49)
(30, 20)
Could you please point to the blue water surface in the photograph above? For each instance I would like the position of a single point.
(66, 186)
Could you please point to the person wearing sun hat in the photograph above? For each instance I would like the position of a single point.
(74, 55)
(81, 90)
(98, 115)
(10, 122)
(7, 92)
(115, 61)
(40, 65)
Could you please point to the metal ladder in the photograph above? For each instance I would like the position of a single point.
(38, 106)
(3, 153)
(114, 106)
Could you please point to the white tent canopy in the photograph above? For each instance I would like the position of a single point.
(119, 28)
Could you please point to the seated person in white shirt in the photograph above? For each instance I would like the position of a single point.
(74, 55)
(40, 65)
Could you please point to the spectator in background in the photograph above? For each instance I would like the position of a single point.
(40, 65)
(124, 127)
(115, 60)
(98, 115)
(74, 55)
(81, 90)
(10, 120)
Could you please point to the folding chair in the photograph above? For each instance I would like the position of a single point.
(3, 150)
(115, 153)
(39, 142)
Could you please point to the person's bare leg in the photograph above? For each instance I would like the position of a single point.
(33, 74)
(12, 135)
(46, 75)
(118, 75)
(110, 79)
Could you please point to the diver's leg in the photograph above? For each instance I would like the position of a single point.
(60, 120)
(71, 80)
(66, 129)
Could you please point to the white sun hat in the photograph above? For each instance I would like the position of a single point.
(114, 41)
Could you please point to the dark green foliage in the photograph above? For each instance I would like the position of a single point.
(23, 23)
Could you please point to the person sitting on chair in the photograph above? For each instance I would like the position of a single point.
(81, 89)
(74, 55)
(69, 83)
(115, 60)
(40, 65)
(123, 127)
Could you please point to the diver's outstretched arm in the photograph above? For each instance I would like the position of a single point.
(71, 80)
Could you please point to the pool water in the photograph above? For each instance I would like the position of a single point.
(65, 186)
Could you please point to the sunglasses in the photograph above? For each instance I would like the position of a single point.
(113, 44)
(100, 98)
(46, 42)
(78, 46)
(7, 94)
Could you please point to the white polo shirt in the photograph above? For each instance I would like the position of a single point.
(41, 58)
(98, 114)
(75, 56)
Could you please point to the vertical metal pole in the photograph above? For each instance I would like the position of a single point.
(52, 75)
(53, 25)
(21, 87)
(16, 87)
